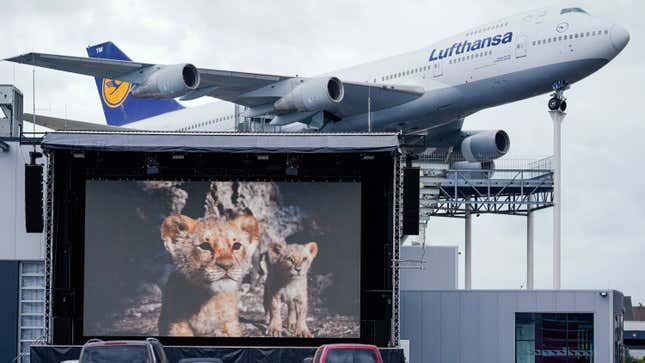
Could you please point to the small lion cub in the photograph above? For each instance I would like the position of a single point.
(287, 283)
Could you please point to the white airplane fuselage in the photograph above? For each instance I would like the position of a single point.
(504, 61)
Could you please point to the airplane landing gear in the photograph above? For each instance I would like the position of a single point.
(558, 101)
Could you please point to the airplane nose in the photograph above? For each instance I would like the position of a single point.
(619, 37)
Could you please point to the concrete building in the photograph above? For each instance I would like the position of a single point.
(21, 254)
(504, 326)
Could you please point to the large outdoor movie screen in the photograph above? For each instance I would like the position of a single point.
(222, 259)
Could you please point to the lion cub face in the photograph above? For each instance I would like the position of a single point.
(212, 251)
(295, 259)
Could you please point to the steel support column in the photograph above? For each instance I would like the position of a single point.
(468, 245)
(557, 118)
(529, 245)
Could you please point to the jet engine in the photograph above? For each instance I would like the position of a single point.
(168, 82)
(474, 170)
(315, 94)
(485, 145)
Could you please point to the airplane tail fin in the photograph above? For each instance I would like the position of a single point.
(119, 106)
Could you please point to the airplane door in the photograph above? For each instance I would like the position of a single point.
(437, 70)
(520, 46)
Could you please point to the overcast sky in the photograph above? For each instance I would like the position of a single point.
(603, 244)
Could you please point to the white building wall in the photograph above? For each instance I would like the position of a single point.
(15, 242)
(439, 270)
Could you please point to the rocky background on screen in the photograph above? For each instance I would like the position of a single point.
(132, 265)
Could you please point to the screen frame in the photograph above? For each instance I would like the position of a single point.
(379, 197)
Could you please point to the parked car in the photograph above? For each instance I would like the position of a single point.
(133, 351)
(346, 353)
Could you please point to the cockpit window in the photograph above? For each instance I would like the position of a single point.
(573, 10)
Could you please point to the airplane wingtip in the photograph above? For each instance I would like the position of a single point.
(23, 58)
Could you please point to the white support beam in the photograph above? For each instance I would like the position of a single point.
(468, 246)
(529, 246)
(557, 118)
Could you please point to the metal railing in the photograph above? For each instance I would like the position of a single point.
(513, 186)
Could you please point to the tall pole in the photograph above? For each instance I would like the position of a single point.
(468, 252)
(33, 101)
(557, 118)
(529, 244)
(369, 109)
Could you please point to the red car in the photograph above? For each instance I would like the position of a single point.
(346, 353)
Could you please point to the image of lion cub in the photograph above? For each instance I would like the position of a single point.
(210, 257)
(286, 282)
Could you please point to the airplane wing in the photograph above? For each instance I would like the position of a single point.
(97, 67)
(252, 90)
(60, 124)
(226, 85)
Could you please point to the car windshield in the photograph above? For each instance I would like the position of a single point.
(340, 356)
(115, 353)
(351, 356)
(364, 356)
(573, 10)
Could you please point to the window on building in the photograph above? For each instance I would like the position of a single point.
(554, 337)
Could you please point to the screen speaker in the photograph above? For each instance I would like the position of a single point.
(34, 198)
(411, 183)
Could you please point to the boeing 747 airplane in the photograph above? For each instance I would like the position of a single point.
(425, 92)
